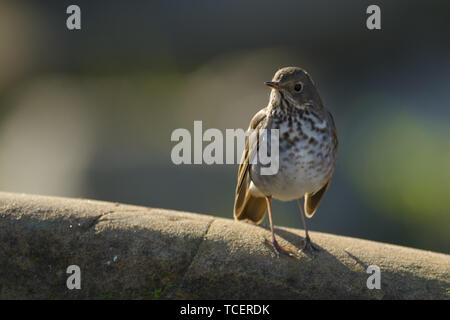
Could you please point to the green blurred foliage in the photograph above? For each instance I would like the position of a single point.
(399, 159)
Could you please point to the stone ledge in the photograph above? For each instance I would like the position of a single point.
(132, 252)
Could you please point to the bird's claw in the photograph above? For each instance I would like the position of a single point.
(280, 249)
(309, 247)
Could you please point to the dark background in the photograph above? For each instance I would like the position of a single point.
(89, 113)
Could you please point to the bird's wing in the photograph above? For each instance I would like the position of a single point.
(312, 200)
(246, 206)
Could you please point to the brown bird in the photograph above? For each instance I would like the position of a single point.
(306, 155)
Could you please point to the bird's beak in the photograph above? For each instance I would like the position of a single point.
(272, 84)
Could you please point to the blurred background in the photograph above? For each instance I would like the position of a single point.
(90, 113)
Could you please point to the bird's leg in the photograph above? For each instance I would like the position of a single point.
(309, 246)
(274, 243)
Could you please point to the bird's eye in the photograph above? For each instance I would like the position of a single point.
(298, 87)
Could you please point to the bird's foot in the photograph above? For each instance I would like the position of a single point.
(280, 249)
(309, 247)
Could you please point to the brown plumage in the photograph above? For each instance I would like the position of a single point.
(306, 154)
(246, 206)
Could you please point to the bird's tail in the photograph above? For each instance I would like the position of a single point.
(248, 207)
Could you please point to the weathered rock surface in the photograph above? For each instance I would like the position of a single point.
(135, 252)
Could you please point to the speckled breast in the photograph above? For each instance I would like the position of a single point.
(307, 154)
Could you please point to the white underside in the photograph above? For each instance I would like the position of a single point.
(288, 184)
(297, 174)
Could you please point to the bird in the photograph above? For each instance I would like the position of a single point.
(307, 150)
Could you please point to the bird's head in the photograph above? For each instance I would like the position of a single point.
(293, 86)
